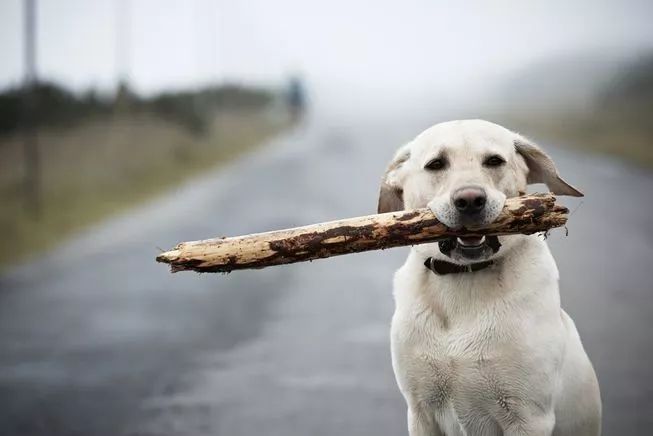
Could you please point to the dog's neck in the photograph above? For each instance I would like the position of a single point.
(441, 266)
(466, 296)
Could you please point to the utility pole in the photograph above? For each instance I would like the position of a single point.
(215, 26)
(30, 134)
(123, 51)
(123, 40)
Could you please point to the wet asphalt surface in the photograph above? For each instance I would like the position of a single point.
(98, 339)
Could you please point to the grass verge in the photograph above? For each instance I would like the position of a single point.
(625, 134)
(103, 166)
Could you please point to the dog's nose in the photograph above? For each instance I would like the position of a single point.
(469, 199)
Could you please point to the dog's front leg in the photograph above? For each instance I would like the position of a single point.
(422, 423)
(533, 426)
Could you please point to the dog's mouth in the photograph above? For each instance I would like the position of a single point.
(470, 248)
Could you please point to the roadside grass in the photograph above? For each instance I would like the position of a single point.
(103, 166)
(625, 134)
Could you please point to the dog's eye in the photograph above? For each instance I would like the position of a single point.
(436, 164)
(494, 161)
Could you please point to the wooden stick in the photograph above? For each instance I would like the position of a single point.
(528, 214)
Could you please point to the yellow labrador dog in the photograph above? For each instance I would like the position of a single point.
(480, 345)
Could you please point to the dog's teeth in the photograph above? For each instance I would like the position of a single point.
(471, 242)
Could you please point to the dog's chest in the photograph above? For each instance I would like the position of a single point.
(454, 371)
(441, 365)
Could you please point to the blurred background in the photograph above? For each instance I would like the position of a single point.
(127, 126)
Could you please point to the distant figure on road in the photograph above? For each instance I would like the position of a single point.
(296, 97)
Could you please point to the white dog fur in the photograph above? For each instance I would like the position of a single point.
(488, 352)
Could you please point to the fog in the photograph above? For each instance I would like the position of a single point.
(198, 118)
(382, 50)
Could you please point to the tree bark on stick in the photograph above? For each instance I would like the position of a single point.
(528, 214)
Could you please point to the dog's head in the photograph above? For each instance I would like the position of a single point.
(464, 171)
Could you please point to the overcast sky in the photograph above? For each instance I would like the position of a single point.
(366, 45)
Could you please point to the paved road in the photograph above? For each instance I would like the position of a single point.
(97, 339)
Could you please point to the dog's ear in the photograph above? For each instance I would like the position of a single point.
(541, 169)
(391, 194)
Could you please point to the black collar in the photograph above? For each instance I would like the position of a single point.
(442, 267)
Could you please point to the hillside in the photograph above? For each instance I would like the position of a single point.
(603, 105)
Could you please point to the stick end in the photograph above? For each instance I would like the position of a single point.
(168, 256)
